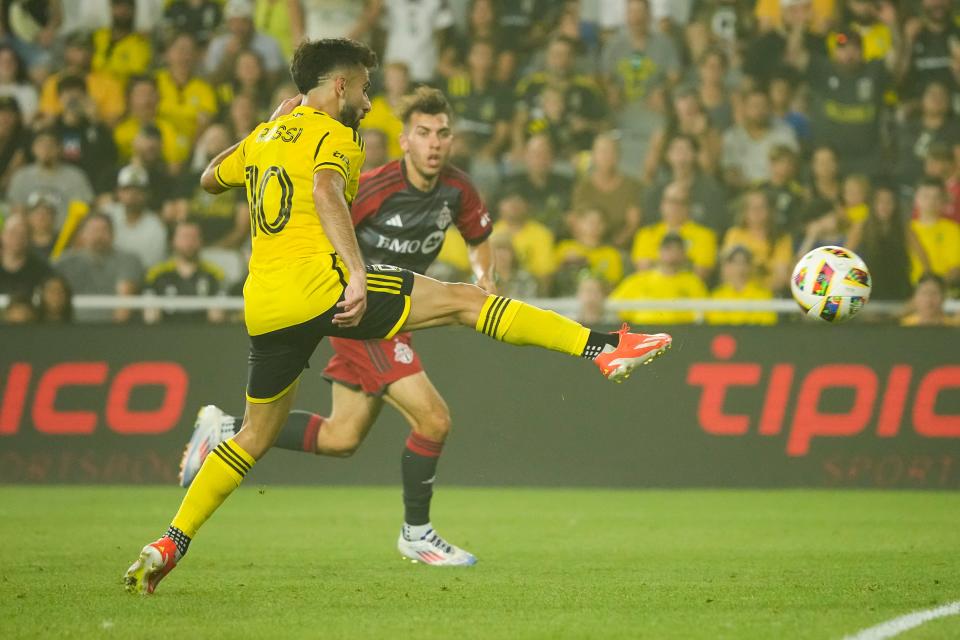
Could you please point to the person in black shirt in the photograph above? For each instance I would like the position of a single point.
(546, 189)
(197, 17)
(765, 53)
(482, 107)
(184, 274)
(21, 270)
(14, 140)
(847, 101)
(86, 143)
(931, 42)
(42, 220)
(915, 136)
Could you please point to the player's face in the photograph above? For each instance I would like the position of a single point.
(426, 141)
(354, 102)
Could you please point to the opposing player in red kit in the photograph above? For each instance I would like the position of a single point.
(401, 214)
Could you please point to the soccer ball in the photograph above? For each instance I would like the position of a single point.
(831, 283)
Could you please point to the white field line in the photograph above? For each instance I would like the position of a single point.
(895, 627)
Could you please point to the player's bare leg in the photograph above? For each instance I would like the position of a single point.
(352, 414)
(221, 473)
(434, 303)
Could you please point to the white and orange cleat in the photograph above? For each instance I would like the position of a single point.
(633, 350)
(156, 560)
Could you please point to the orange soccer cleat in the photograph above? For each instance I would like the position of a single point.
(633, 350)
(156, 560)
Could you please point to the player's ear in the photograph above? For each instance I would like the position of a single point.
(404, 140)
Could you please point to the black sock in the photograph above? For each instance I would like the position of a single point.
(299, 433)
(418, 467)
(597, 341)
(180, 539)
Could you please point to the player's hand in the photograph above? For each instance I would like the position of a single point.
(286, 107)
(488, 284)
(354, 303)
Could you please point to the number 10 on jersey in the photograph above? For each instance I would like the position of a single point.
(256, 191)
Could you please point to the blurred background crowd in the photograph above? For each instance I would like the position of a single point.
(627, 149)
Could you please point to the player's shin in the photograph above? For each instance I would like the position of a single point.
(299, 432)
(519, 323)
(221, 473)
(418, 468)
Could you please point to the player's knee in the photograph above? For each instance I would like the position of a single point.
(435, 424)
(342, 447)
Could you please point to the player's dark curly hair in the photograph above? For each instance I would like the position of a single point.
(424, 100)
(314, 60)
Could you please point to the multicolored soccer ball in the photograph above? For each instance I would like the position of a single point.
(831, 283)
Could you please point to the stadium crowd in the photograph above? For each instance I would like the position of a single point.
(628, 149)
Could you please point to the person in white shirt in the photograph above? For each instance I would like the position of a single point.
(413, 27)
(137, 230)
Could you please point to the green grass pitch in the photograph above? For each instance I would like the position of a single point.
(279, 562)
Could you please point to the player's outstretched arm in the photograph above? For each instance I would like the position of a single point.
(331, 205)
(481, 262)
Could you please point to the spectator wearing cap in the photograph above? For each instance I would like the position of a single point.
(708, 199)
(746, 146)
(199, 18)
(607, 188)
(241, 34)
(847, 101)
(187, 101)
(532, 241)
(119, 49)
(87, 143)
(934, 124)
(144, 111)
(96, 267)
(546, 191)
(14, 141)
(21, 270)
(104, 89)
(15, 83)
(737, 282)
(701, 242)
(184, 274)
(583, 102)
(784, 192)
(930, 47)
(62, 183)
(42, 220)
(136, 230)
(669, 279)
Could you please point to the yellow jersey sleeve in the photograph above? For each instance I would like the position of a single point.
(341, 150)
(230, 172)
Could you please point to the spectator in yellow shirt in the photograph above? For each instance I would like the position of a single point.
(383, 114)
(671, 279)
(701, 242)
(532, 241)
(144, 101)
(104, 90)
(119, 49)
(186, 101)
(939, 237)
(928, 299)
(586, 252)
(770, 250)
(737, 283)
(820, 13)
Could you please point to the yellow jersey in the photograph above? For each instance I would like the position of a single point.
(766, 255)
(382, 118)
(605, 261)
(701, 243)
(941, 241)
(656, 285)
(533, 244)
(752, 291)
(295, 274)
(183, 106)
(175, 144)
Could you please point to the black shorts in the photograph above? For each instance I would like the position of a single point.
(277, 358)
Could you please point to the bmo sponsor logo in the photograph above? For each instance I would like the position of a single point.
(429, 244)
(884, 402)
(33, 397)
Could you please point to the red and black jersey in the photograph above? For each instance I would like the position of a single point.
(400, 225)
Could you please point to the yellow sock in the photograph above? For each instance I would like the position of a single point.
(221, 473)
(519, 323)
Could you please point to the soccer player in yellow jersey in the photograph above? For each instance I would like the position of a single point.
(307, 279)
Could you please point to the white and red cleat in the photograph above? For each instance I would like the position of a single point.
(433, 550)
(633, 350)
(156, 560)
(212, 427)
